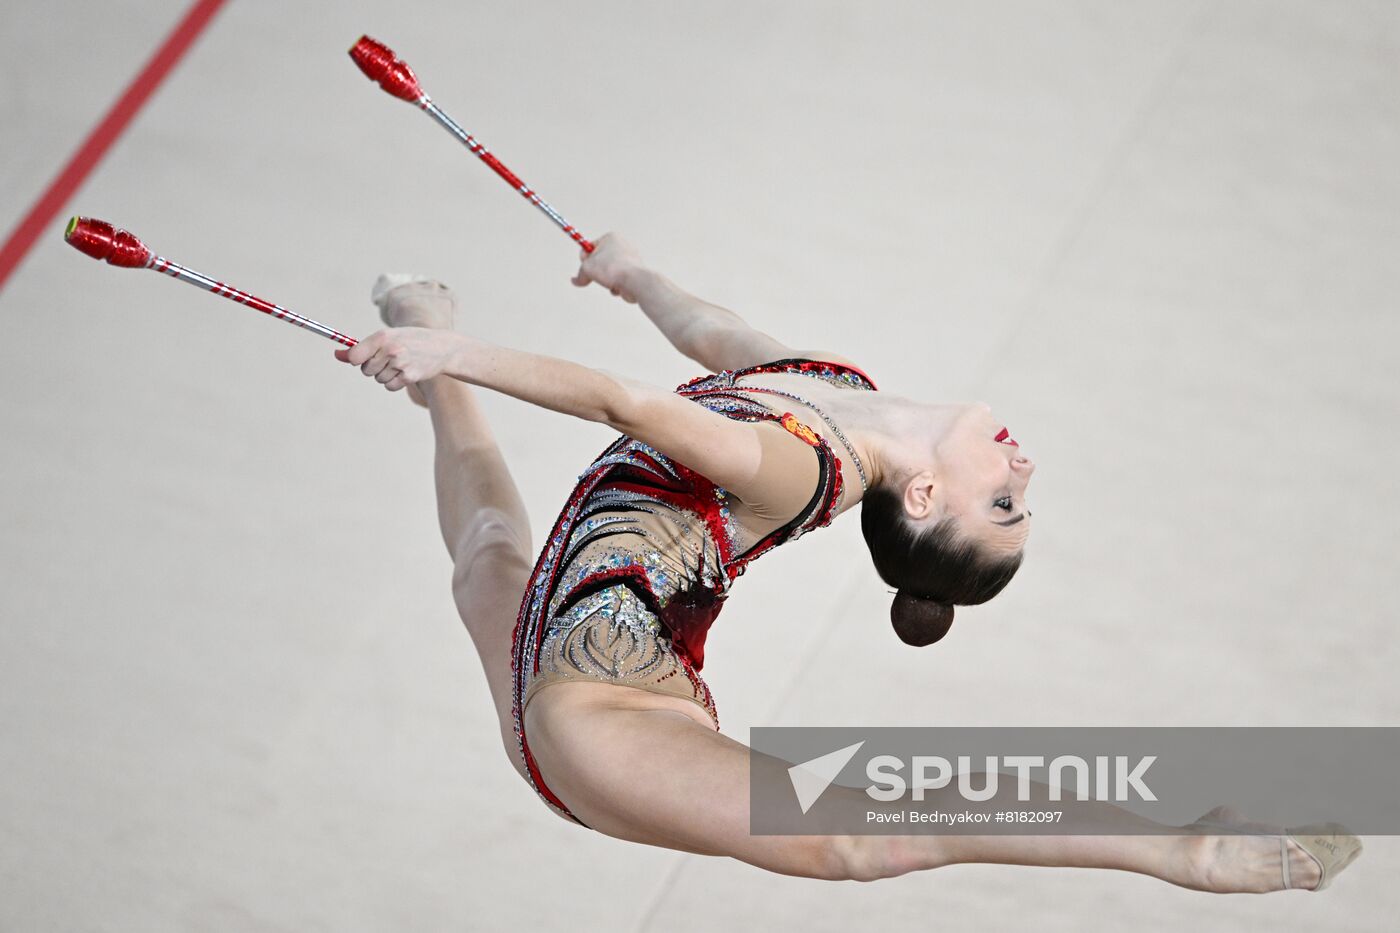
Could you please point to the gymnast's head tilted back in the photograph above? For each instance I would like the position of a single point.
(946, 520)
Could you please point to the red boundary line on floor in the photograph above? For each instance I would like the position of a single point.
(85, 159)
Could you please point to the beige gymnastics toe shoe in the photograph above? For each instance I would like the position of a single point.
(406, 300)
(1330, 845)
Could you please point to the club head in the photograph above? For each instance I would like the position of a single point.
(381, 66)
(101, 240)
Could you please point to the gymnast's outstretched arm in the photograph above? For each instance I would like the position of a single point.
(712, 336)
(727, 452)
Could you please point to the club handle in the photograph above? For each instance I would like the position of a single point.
(102, 241)
(383, 67)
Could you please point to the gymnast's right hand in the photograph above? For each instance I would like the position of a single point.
(399, 356)
(613, 264)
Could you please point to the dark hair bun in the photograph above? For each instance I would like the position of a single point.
(919, 621)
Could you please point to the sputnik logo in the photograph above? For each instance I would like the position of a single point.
(810, 779)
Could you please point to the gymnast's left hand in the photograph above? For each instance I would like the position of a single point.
(398, 356)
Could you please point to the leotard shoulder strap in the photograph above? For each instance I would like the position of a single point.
(842, 374)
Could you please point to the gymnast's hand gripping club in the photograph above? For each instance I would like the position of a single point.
(381, 66)
(101, 240)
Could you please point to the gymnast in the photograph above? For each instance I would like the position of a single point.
(593, 651)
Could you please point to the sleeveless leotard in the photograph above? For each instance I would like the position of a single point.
(642, 556)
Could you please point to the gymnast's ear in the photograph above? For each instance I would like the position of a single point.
(919, 621)
(920, 499)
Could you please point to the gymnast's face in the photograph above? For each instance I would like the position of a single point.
(980, 478)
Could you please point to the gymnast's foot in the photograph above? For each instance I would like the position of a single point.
(413, 301)
(1236, 856)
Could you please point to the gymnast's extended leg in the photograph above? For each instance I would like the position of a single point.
(650, 773)
(480, 512)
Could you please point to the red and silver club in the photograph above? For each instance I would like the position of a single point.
(381, 66)
(101, 240)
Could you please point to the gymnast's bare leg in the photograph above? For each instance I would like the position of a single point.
(480, 512)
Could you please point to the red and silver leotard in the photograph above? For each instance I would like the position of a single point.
(642, 556)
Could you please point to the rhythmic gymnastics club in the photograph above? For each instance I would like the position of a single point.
(383, 67)
(117, 247)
